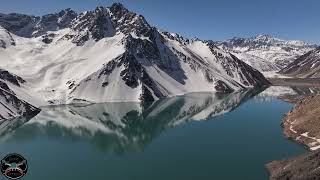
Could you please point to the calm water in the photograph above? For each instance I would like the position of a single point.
(197, 136)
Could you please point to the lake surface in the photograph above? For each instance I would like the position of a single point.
(196, 136)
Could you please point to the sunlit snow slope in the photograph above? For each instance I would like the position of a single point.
(112, 54)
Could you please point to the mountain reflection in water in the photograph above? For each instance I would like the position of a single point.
(123, 126)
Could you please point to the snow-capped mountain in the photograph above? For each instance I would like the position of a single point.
(305, 66)
(110, 125)
(10, 104)
(266, 53)
(113, 54)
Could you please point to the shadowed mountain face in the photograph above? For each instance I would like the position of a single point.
(122, 127)
(32, 26)
(305, 66)
(11, 104)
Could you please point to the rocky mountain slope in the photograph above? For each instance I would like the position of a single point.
(10, 104)
(113, 54)
(266, 53)
(305, 66)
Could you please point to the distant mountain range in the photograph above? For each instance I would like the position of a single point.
(266, 53)
(113, 54)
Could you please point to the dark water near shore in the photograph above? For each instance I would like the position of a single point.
(196, 136)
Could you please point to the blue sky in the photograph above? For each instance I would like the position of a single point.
(206, 19)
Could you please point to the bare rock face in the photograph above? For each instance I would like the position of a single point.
(94, 24)
(129, 22)
(303, 167)
(302, 123)
(12, 106)
(7, 76)
(105, 22)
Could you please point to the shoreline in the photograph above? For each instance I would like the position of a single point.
(311, 82)
(302, 125)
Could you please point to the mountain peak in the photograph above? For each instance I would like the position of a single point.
(66, 11)
(100, 8)
(264, 36)
(118, 7)
(128, 21)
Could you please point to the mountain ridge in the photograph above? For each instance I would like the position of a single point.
(304, 66)
(112, 54)
(266, 53)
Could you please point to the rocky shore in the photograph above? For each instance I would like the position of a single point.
(303, 167)
(301, 124)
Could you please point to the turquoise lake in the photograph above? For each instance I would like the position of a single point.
(196, 136)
